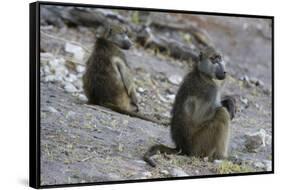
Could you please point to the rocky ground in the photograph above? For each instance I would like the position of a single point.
(82, 143)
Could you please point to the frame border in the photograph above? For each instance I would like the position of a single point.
(34, 96)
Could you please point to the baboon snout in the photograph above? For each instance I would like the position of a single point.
(220, 72)
(126, 44)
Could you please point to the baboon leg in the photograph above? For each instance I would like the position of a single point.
(212, 138)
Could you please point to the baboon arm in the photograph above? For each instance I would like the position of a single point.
(127, 81)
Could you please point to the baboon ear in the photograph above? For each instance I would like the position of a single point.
(103, 31)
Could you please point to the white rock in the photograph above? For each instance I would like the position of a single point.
(56, 62)
(268, 165)
(175, 79)
(268, 139)
(77, 51)
(255, 141)
(177, 172)
(140, 89)
(70, 88)
(171, 97)
(82, 97)
(71, 78)
(51, 109)
(165, 172)
(163, 99)
(244, 100)
(80, 69)
(147, 174)
(259, 165)
(218, 161)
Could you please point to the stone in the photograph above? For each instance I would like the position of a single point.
(82, 98)
(217, 161)
(165, 172)
(178, 172)
(70, 88)
(80, 69)
(254, 142)
(77, 52)
(140, 90)
(175, 79)
(171, 97)
(258, 165)
(268, 165)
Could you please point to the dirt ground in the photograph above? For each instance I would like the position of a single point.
(82, 143)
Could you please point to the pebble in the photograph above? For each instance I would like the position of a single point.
(70, 88)
(259, 165)
(268, 165)
(175, 79)
(71, 78)
(171, 97)
(140, 89)
(80, 69)
(77, 51)
(218, 161)
(50, 109)
(244, 100)
(177, 172)
(82, 98)
(165, 172)
(146, 174)
(254, 142)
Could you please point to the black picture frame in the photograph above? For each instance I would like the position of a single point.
(34, 98)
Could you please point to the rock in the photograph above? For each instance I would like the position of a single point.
(77, 52)
(218, 161)
(175, 79)
(268, 165)
(254, 142)
(258, 165)
(50, 109)
(177, 172)
(165, 172)
(70, 88)
(162, 99)
(244, 101)
(257, 82)
(71, 78)
(80, 69)
(245, 78)
(268, 139)
(147, 174)
(140, 89)
(171, 97)
(82, 98)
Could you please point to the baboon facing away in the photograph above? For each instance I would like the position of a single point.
(200, 117)
(108, 81)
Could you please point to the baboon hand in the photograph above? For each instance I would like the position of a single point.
(229, 103)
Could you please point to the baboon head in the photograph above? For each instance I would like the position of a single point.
(115, 34)
(211, 64)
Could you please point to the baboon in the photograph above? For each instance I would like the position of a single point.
(107, 80)
(200, 117)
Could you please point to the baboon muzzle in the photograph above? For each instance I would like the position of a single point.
(220, 72)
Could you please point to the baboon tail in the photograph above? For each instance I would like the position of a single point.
(154, 150)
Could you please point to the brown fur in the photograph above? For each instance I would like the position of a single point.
(200, 122)
(108, 81)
